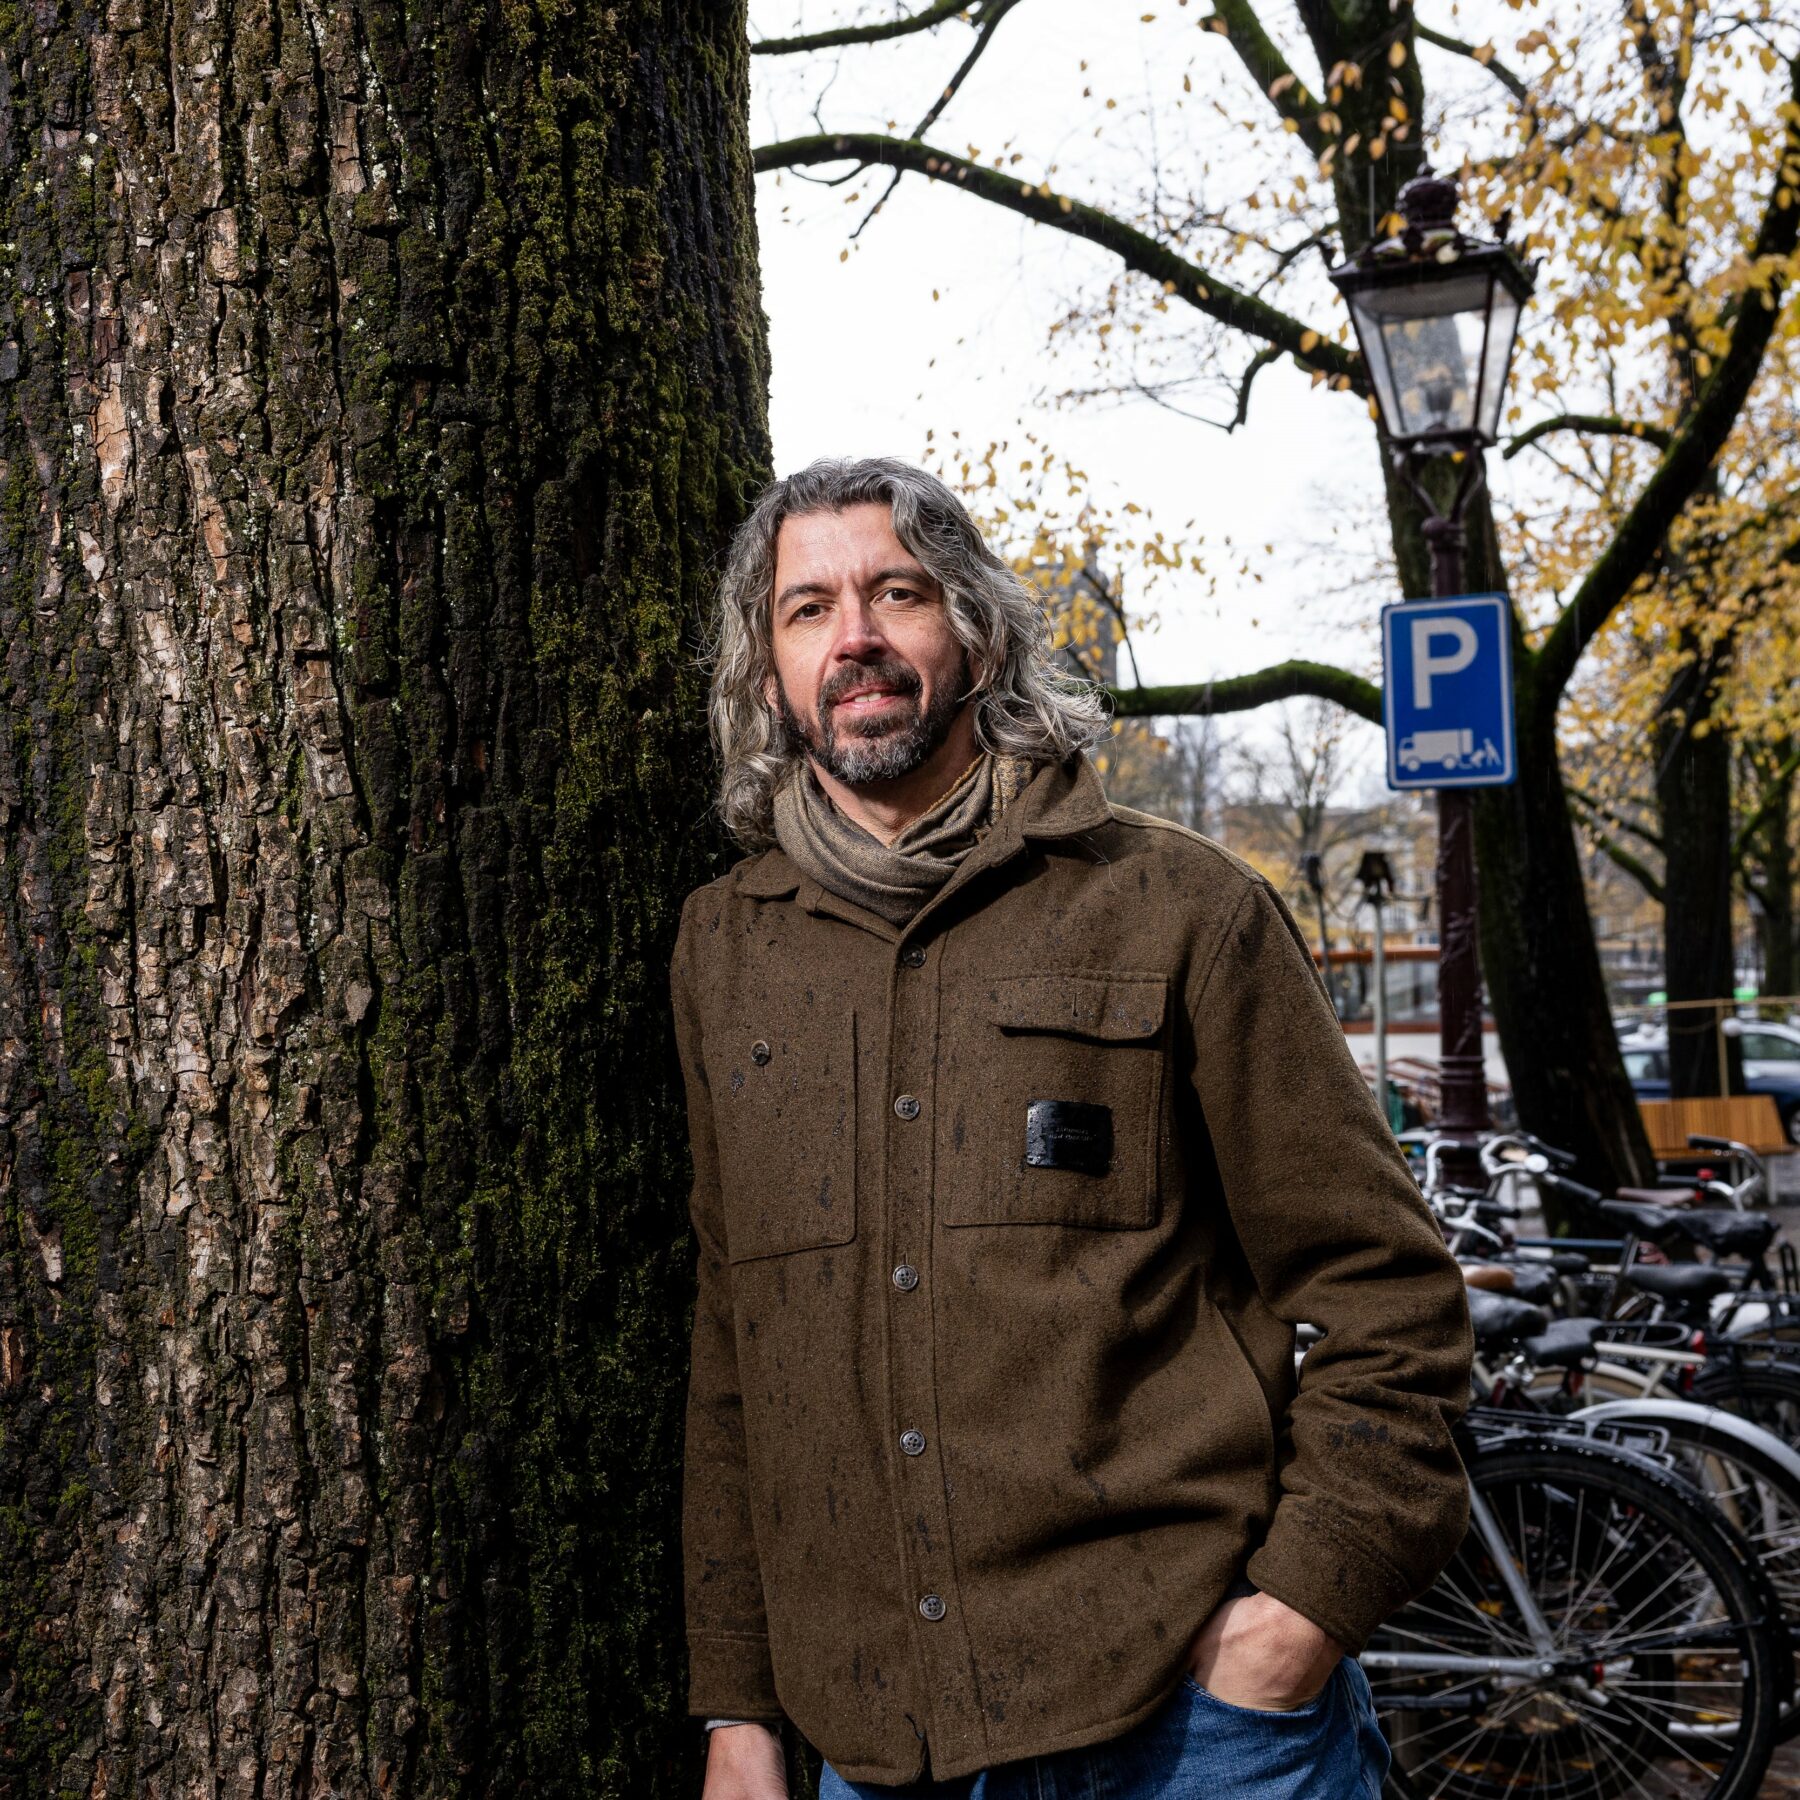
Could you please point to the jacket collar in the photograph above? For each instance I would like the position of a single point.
(1061, 800)
(768, 876)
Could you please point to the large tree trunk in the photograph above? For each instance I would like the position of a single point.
(376, 388)
(1777, 924)
(1542, 966)
(1693, 799)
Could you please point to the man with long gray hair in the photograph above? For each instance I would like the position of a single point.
(1024, 1136)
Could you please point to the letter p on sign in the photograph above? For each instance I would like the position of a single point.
(1427, 662)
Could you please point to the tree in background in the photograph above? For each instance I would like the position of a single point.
(377, 391)
(1346, 122)
(1686, 717)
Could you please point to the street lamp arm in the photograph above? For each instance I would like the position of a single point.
(1597, 424)
(1243, 693)
(1494, 66)
(1181, 279)
(924, 20)
(1685, 464)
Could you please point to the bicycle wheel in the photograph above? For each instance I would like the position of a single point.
(1765, 1392)
(1653, 1674)
(1752, 1480)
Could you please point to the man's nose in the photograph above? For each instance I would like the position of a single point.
(859, 633)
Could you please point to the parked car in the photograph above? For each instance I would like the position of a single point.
(1771, 1066)
(1771, 1050)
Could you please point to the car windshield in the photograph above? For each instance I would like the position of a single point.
(1766, 1046)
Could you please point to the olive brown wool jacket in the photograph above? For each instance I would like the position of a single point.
(1005, 1221)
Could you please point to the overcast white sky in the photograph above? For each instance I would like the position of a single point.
(864, 360)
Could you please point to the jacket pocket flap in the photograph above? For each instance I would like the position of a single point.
(1119, 1007)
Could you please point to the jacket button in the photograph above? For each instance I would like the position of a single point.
(932, 1607)
(913, 956)
(759, 1052)
(912, 1442)
(906, 1277)
(907, 1107)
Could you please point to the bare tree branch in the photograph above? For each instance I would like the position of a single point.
(1588, 422)
(1270, 70)
(990, 24)
(931, 16)
(1689, 458)
(1260, 361)
(1243, 693)
(1614, 817)
(1182, 279)
(1638, 871)
(1494, 66)
(1771, 798)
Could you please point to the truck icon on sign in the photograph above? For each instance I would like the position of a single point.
(1448, 749)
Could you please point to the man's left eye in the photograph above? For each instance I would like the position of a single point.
(898, 593)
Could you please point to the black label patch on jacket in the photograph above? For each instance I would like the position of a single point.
(1069, 1134)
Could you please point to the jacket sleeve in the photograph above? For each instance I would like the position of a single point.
(730, 1674)
(1374, 1499)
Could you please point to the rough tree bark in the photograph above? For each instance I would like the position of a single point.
(377, 386)
(1769, 869)
(1693, 802)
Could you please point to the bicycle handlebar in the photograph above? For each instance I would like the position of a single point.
(1579, 1190)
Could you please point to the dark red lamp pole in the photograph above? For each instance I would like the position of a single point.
(1436, 314)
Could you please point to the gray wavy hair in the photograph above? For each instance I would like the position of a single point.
(1024, 705)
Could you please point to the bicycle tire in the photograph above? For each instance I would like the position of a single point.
(1684, 1703)
(1767, 1392)
(1753, 1480)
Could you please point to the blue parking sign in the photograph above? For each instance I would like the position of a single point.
(1447, 694)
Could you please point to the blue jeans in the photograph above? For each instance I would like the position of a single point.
(1192, 1747)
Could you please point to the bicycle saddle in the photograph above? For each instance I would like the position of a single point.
(1535, 1282)
(1727, 1233)
(1570, 1262)
(1686, 1281)
(1644, 1220)
(1564, 1345)
(1500, 1322)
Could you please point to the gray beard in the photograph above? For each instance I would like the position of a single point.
(888, 752)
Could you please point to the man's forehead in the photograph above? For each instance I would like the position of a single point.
(859, 540)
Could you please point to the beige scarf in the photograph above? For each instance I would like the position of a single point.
(894, 880)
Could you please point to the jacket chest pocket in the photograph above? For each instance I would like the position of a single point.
(784, 1109)
(1058, 1113)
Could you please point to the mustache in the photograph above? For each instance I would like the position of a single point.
(896, 676)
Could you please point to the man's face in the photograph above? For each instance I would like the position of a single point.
(868, 674)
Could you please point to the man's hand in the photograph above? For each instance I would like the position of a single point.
(744, 1762)
(1256, 1652)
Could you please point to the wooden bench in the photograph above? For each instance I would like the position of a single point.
(1748, 1118)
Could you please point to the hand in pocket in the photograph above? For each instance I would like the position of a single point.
(1258, 1653)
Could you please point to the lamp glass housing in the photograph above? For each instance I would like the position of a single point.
(1437, 334)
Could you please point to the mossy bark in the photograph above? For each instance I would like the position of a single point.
(377, 388)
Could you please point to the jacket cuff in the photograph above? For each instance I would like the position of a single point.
(1345, 1588)
(730, 1676)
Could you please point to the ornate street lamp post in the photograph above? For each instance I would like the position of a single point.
(1436, 314)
